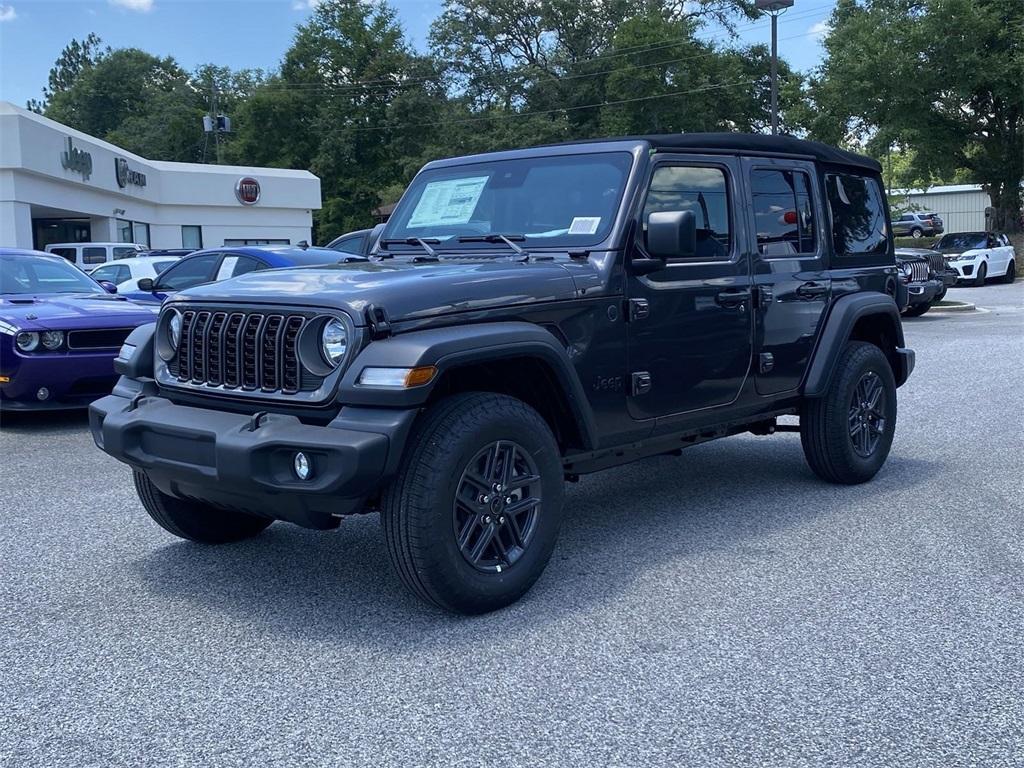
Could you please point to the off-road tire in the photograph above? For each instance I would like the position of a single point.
(979, 279)
(1011, 272)
(417, 506)
(825, 421)
(193, 520)
(917, 310)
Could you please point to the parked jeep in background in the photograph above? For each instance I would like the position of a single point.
(917, 225)
(977, 256)
(526, 317)
(926, 276)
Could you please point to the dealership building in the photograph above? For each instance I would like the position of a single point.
(61, 185)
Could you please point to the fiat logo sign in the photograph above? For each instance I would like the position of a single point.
(247, 190)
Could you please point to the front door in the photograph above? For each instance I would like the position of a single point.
(690, 327)
(789, 271)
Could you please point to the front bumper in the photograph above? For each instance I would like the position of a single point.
(71, 380)
(243, 462)
(923, 292)
(964, 270)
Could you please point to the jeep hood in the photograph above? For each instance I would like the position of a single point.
(407, 290)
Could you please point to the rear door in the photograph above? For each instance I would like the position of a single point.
(790, 274)
(690, 323)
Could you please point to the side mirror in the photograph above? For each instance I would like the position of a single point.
(108, 286)
(145, 284)
(672, 235)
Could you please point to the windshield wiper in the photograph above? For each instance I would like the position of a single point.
(497, 237)
(422, 242)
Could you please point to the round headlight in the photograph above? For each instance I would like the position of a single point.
(906, 271)
(27, 340)
(334, 342)
(174, 330)
(53, 339)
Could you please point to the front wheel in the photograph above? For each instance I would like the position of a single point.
(917, 233)
(846, 434)
(472, 516)
(193, 520)
(979, 280)
(917, 309)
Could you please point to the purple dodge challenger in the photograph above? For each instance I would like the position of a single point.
(59, 332)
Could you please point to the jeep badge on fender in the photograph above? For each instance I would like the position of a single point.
(451, 379)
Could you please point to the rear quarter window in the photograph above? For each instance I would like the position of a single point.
(857, 206)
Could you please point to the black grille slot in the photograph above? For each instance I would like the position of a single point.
(246, 351)
(104, 338)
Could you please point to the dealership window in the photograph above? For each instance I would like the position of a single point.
(191, 237)
(124, 231)
(141, 233)
(783, 215)
(858, 214)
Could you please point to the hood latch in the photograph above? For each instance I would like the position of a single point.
(377, 319)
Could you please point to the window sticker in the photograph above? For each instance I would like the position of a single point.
(451, 201)
(584, 225)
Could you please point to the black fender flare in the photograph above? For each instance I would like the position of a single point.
(846, 312)
(457, 346)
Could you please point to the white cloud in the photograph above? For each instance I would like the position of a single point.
(143, 6)
(819, 30)
(7, 13)
(304, 5)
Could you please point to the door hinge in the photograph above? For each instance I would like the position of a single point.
(641, 383)
(639, 309)
(767, 362)
(377, 319)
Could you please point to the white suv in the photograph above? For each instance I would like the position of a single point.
(979, 255)
(87, 255)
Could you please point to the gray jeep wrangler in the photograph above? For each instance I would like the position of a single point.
(524, 318)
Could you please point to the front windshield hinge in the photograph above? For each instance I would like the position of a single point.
(377, 319)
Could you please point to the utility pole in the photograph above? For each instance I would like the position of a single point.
(774, 8)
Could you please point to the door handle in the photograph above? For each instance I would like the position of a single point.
(733, 297)
(811, 290)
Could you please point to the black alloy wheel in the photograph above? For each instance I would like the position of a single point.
(982, 273)
(867, 417)
(497, 507)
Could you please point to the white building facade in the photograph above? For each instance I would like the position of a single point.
(61, 185)
(962, 207)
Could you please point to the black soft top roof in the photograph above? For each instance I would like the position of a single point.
(754, 143)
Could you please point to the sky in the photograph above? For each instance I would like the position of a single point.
(256, 33)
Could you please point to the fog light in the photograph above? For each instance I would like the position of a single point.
(303, 468)
(42, 393)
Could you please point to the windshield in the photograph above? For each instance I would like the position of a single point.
(964, 240)
(554, 201)
(27, 274)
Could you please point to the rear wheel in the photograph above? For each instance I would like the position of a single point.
(472, 516)
(979, 279)
(193, 520)
(847, 433)
(1011, 272)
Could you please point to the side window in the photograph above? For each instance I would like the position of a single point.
(189, 272)
(783, 212)
(353, 245)
(94, 255)
(114, 273)
(702, 190)
(125, 253)
(67, 253)
(858, 214)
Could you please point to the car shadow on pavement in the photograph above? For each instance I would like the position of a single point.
(665, 513)
(35, 422)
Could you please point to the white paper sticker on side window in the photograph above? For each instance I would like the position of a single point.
(451, 201)
(584, 225)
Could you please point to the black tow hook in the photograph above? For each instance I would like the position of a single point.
(256, 420)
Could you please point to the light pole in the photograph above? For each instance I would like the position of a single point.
(774, 8)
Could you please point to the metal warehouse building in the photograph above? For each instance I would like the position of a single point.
(961, 206)
(61, 185)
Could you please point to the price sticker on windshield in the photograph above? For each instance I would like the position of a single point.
(584, 225)
(451, 201)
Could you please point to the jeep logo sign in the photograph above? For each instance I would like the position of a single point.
(247, 190)
(126, 175)
(77, 160)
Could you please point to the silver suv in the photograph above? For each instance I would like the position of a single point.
(917, 225)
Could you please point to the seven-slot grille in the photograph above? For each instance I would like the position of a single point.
(918, 271)
(240, 350)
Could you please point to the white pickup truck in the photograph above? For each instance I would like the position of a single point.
(979, 255)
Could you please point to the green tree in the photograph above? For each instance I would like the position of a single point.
(942, 78)
(77, 57)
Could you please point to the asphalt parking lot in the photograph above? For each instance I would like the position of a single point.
(721, 608)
